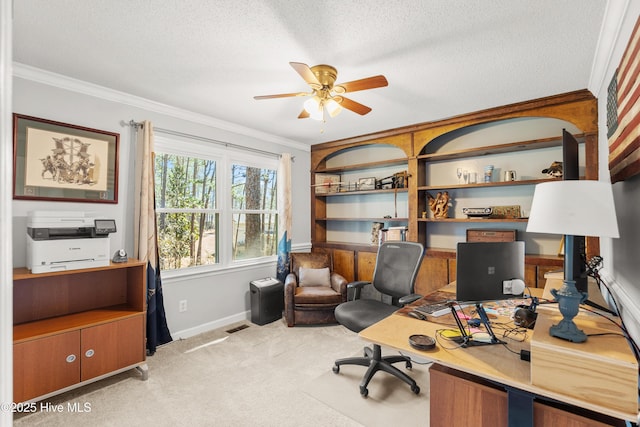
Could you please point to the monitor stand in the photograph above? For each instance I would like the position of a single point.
(466, 340)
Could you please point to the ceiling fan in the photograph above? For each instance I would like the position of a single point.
(325, 93)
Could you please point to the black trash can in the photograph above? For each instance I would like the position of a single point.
(267, 300)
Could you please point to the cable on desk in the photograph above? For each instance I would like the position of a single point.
(594, 271)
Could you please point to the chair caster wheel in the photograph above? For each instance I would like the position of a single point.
(336, 369)
(364, 391)
(415, 389)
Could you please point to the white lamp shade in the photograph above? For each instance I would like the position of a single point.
(333, 107)
(578, 208)
(314, 107)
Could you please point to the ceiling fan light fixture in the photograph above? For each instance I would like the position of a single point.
(325, 93)
(333, 107)
(314, 107)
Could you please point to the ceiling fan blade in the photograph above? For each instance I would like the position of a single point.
(306, 73)
(362, 84)
(281, 95)
(304, 115)
(354, 106)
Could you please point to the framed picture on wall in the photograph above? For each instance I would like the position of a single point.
(62, 162)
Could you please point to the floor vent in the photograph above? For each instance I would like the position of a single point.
(237, 328)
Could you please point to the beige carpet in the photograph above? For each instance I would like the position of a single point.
(390, 400)
(263, 376)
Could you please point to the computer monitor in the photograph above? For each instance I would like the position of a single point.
(483, 267)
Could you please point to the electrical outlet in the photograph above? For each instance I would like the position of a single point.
(182, 306)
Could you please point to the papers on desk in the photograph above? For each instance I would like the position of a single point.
(439, 309)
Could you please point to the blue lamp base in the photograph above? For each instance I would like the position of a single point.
(569, 300)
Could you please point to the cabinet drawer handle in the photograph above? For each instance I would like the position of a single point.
(89, 353)
(71, 358)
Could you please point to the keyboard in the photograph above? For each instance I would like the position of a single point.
(439, 308)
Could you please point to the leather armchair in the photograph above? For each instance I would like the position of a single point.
(307, 305)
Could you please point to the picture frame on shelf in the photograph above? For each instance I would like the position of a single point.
(367, 184)
(57, 161)
(326, 183)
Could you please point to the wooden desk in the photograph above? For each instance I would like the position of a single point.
(493, 362)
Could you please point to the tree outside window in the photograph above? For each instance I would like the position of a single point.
(254, 212)
(185, 190)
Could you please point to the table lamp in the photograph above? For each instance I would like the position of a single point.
(572, 208)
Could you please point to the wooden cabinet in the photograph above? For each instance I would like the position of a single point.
(111, 346)
(432, 151)
(461, 399)
(76, 326)
(43, 365)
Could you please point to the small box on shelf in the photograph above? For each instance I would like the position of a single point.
(490, 235)
(398, 233)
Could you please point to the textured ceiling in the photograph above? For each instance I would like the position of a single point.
(441, 58)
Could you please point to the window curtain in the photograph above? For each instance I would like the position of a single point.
(146, 240)
(284, 218)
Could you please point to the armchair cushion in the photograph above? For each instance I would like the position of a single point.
(317, 296)
(315, 277)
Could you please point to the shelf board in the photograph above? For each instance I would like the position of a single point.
(479, 219)
(533, 144)
(365, 219)
(361, 192)
(363, 247)
(71, 322)
(485, 184)
(22, 273)
(359, 166)
(539, 259)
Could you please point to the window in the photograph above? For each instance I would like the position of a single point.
(213, 210)
(253, 193)
(185, 208)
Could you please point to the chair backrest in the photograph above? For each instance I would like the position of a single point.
(397, 266)
(309, 260)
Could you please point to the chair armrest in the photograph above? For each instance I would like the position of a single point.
(290, 285)
(290, 280)
(358, 287)
(339, 284)
(408, 299)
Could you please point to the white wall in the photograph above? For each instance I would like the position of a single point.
(6, 160)
(620, 255)
(214, 299)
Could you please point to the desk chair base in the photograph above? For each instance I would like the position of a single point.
(374, 360)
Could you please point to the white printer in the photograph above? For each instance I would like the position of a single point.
(59, 241)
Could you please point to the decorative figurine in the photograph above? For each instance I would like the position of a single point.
(554, 171)
(440, 205)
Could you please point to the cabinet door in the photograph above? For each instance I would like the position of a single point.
(45, 365)
(112, 346)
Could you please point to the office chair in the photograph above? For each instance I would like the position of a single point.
(394, 275)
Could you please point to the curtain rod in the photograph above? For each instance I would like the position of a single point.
(138, 125)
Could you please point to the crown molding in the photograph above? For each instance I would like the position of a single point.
(614, 16)
(38, 75)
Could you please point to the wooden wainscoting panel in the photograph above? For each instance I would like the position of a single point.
(366, 265)
(344, 263)
(433, 275)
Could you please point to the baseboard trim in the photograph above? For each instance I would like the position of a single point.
(206, 327)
